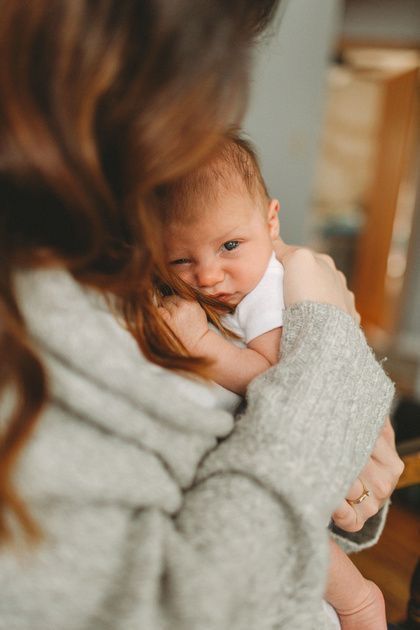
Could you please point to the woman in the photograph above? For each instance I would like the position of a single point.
(147, 507)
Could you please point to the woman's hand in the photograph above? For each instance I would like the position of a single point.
(314, 277)
(186, 319)
(379, 477)
(309, 276)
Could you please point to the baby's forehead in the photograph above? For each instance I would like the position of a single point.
(214, 189)
(221, 198)
(232, 212)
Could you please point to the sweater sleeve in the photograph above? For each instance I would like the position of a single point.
(353, 542)
(315, 416)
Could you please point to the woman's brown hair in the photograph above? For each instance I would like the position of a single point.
(102, 101)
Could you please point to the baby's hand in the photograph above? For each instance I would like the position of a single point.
(187, 320)
(368, 615)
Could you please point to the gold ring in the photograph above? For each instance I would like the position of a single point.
(363, 496)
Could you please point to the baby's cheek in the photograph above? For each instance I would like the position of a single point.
(251, 280)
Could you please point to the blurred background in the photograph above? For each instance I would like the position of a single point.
(334, 112)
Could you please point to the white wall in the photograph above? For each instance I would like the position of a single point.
(287, 103)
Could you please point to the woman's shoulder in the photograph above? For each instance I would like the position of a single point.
(60, 313)
(98, 375)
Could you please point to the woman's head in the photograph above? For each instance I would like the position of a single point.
(101, 101)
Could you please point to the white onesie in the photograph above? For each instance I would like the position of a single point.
(261, 310)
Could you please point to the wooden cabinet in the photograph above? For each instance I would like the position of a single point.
(367, 181)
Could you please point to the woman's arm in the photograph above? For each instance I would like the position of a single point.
(133, 538)
(287, 464)
(355, 526)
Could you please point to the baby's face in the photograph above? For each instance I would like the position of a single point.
(225, 252)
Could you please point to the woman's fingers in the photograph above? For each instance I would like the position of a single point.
(310, 276)
(388, 432)
(384, 453)
(330, 261)
(351, 517)
(374, 486)
(282, 250)
(384, 468)
(356, 490)
(361, 503)
(313, 277)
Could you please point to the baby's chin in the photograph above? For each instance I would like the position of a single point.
(230, 299)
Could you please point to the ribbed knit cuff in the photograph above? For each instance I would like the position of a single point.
(352, 542)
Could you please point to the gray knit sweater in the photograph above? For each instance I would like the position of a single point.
(162, 514)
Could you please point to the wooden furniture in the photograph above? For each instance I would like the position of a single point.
(413, 609)
(366, 181)
(409, 451)
(380, 258)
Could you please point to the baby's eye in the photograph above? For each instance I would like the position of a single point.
(180, 261)
(230, 245)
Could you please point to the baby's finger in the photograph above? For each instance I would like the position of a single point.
(164, 313)
(171, 308)
(171, 300)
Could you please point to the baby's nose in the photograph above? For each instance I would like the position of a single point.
(209, 275)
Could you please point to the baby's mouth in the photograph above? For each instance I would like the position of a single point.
(223, 297)
(229, 298)
(232, 299)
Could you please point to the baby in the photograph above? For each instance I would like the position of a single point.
(220, 229)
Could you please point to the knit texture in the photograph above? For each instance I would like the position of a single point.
(160, 514)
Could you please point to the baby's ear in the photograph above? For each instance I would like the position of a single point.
(273, 218)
